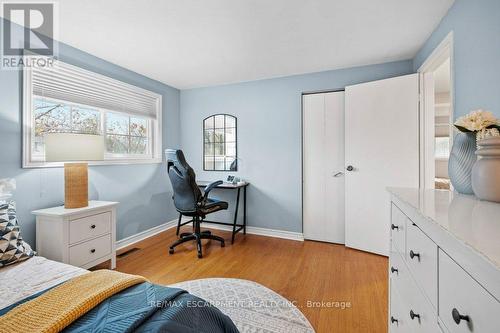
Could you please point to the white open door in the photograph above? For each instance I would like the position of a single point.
(382, 147)
(427, 131)
(323, 164)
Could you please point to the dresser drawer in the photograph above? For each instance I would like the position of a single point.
(86, 252)
(459, 291)
(398, 272)
(398, 319)
(412, 301)
(421, 315)
(89, 227)
(398, 228)
(421, 256)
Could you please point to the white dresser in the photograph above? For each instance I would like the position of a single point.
(82, 237)
(444, 263)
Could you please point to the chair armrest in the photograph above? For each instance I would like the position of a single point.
(210, 187)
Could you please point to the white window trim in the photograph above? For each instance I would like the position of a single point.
(156, 127)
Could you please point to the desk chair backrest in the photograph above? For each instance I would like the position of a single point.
(187, 194)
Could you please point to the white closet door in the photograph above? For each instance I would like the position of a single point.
(382, 146)
(323, 163)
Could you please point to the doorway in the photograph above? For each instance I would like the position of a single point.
(436, 86)
(442, 125)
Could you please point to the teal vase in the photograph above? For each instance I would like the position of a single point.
(462, 159)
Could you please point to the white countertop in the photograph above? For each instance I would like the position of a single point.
(61, 211)
(473, 222)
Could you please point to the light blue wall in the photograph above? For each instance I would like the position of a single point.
(143, 191)
(269, 136)
(476, 33)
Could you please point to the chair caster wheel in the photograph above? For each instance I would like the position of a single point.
(200, 256)
(222, 244)
(171, 251)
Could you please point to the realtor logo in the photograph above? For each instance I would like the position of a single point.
(28, 29)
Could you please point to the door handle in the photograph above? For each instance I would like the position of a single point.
(338, 174)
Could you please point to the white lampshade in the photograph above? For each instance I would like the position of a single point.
(67, 147)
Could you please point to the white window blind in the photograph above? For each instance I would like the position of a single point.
(66, 98)
(70, 83)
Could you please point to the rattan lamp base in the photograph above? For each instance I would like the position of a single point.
(76, 185)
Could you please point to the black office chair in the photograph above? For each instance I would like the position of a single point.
(190, 201)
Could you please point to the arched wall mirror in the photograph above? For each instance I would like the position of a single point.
(219, 143)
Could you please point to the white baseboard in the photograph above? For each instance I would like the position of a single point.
(296, 236)
(145, 234)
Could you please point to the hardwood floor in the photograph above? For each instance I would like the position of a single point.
(304, 272)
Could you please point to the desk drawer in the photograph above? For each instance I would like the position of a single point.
(89, 227)
(84, 253)
(458, 290)
(421, 256)
(398, 228)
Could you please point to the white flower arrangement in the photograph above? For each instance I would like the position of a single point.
(487, 133)
(478, 121)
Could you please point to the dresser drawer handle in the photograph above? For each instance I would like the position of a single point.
(394, 270)
(92, 251)
(457, 317)
(414, 315)
(92, 226)
(393, 226)
(393, 320)
(413, 255)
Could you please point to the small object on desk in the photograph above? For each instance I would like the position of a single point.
(82, 237)
(232, 180)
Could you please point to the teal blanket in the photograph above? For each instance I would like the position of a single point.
(148, 307)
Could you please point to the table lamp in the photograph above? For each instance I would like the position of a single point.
(70, 147)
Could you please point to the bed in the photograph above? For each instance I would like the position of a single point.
(250, 306)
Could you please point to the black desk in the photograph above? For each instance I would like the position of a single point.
(228, 186)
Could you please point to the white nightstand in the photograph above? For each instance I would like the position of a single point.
(82, 237)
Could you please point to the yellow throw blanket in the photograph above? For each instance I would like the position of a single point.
(60, 306)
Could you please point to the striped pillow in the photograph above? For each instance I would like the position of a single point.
(12, 247)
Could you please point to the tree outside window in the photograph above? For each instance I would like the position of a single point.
(125, 135)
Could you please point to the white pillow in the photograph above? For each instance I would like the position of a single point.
(7, 188)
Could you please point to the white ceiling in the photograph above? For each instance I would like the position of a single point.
(194, 43)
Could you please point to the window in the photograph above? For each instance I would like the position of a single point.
(51, 116)
(128, 117)
(442, 147)
(219, 143)
(126, 134)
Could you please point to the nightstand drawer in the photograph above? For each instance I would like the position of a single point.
(461, 295)
(89, 227)
(84, 253)
(421, 256)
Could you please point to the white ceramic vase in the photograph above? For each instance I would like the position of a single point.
(486, 170)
